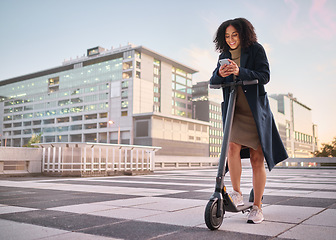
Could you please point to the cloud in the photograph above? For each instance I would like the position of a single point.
(303, 20)
(322, 19)
(203, 60)
(289, 29)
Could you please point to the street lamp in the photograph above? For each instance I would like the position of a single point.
(6, 136)
(112, 122)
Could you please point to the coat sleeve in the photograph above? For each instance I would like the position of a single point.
(260, 69)
(215, 78)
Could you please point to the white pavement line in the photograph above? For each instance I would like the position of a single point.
(25, 231)
(151, 182)
(91, 188)
(4, 209)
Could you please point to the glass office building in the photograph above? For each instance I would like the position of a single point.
(65, 104)
(94, 98)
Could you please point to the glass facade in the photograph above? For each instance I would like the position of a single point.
(216, 129)
(182, 93)
(34, 105)
(77, 102)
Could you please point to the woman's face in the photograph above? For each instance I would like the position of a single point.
(232, 37)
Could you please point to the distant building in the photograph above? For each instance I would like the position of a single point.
(294, 121)
(126, 95)
(207, 107)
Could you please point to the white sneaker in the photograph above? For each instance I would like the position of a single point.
(236, 198)
(256, 215)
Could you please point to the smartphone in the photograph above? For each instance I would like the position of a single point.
(224, 61)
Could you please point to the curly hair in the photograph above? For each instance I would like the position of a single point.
(245, 29)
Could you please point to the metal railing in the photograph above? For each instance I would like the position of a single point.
(96, 158)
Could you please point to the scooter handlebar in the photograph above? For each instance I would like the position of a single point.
(237, 83)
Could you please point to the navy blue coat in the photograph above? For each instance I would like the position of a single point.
(254, 65)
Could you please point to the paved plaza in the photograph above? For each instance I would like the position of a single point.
(298, 204)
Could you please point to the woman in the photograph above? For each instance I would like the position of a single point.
(254, 133)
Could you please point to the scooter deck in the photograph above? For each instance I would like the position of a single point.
(233, 208)
(230, 207)
(246, 206)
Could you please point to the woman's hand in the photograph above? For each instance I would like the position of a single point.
(227, 70)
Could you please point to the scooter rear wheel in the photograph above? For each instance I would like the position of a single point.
(210, 215)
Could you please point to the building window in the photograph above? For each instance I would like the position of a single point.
(137, 54)
(180, 104)
(156, 108)
(128, 54)
(288, 130)
(76, 127)
(180, 95)
(103, 115)
(180, 87)
(181, 80)
(53, 89)
(124, 84)
(189, 83)
(126, 75)
(124, 104)
(59, 120)
(127, 65)
(90, 126)
(181, 72)
(124, 94)
(53, 84)
(77, 118)
(53, 81)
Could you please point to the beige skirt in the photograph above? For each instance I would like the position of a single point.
(244, 130)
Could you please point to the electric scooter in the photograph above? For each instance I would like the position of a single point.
(220, 201)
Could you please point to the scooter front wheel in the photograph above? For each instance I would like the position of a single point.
(210, 215)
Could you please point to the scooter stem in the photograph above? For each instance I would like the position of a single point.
(226, 135)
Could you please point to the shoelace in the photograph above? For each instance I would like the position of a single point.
(254, 212)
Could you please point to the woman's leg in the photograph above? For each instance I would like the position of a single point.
(259, 174)
(235, 167)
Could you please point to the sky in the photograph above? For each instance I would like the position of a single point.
(299, 37)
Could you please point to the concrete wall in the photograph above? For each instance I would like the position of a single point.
(143, 93)
(20, 160)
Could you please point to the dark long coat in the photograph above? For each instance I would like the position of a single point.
(254, 65)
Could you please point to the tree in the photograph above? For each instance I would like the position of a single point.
(34, 139)
(328, 150)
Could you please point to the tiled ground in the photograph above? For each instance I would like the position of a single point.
(298, 204)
